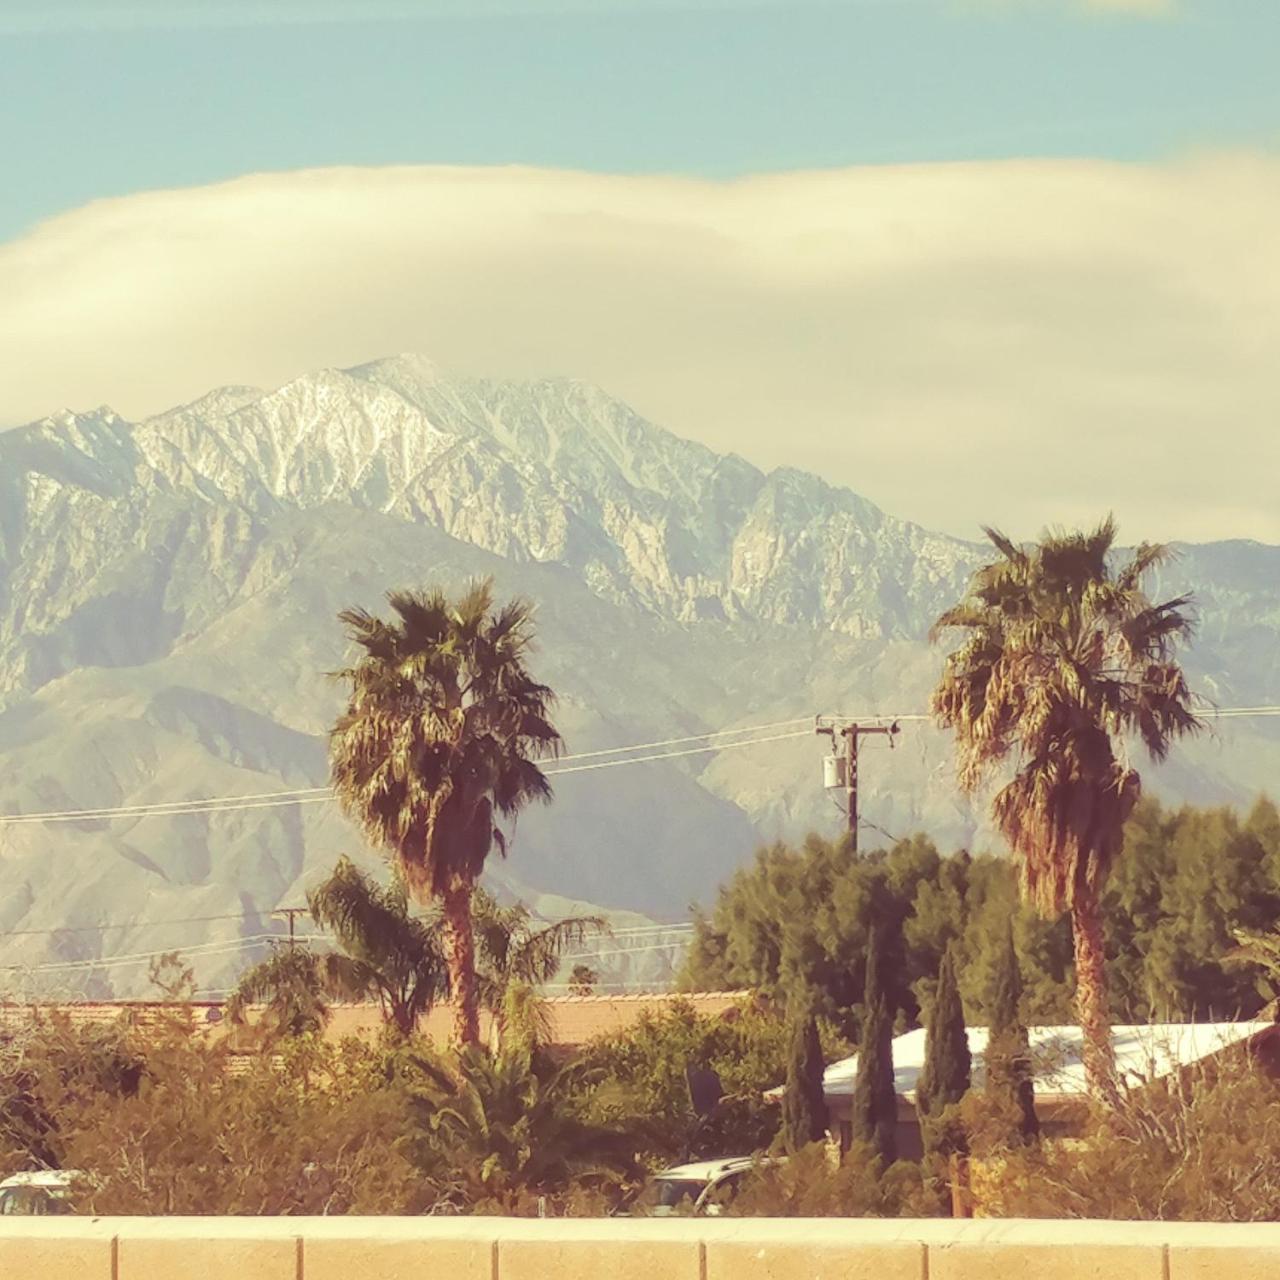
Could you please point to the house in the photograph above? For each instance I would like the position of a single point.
(1143, 1054)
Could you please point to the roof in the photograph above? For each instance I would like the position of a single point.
(1142, 1053)
(706, 1170)
(52, 1178)
(574, 1020)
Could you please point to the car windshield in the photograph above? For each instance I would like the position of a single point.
(671, 1193)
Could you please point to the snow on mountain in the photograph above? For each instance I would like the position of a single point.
(168, 592)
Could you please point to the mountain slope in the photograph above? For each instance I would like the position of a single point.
(168, 592)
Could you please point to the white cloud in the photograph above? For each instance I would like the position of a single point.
(1152, 8)
(1019, 342)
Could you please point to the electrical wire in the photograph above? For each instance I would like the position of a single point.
(321, 795)
(195, 951)
(298, 793)
(268, 800)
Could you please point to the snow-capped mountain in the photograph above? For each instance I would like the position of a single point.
(168, 592)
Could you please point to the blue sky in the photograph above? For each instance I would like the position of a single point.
(104, 98)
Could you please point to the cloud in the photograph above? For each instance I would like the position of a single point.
(1151, 8)
(1016, 342)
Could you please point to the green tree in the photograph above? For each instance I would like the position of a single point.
(643, 1086)
(386, 952)
(947, 1065)
(1008, 1056)
(583, 980)
(1062, 659)
(875, 1098)
(439, 743)
(804, 1104)
(290, 986)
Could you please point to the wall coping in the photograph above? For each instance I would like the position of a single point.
(934, 1232)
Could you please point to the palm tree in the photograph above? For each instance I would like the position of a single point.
(387, 954)
(438, 744)
(290, 984)
(1064, 660)
(517, 958)
(491, 1127)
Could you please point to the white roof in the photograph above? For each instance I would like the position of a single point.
(705, 1170)
(1142, 1053)
(54, 1178)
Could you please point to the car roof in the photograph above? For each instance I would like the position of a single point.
(54, 1178)
(706, 1170)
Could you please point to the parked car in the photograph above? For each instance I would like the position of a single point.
(700, 1188)
(47, 1191)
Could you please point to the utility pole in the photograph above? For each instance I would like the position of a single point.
(842, 764)
(291, 914)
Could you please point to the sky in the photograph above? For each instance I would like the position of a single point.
(1009, 261)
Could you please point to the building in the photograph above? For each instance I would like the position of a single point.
(572, 1020)
(1143, 1054)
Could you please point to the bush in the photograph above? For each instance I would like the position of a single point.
(1202, 1147)
(640, 1084)
(813, 1184)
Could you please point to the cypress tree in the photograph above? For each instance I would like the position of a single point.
(947, 1063)
(875, 1100)
(804, 1104)
(1008, 1057)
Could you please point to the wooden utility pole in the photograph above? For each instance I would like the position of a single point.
(850, 732)
(291, 914)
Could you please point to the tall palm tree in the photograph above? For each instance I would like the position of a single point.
(1064, 660)
(517, 957)
(438, 744)
(387, 953)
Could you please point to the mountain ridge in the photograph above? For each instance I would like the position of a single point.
(168, 601)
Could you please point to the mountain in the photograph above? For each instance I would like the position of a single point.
(168, 600)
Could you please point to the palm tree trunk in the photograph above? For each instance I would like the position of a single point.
(460, 950)
(1098, 1052)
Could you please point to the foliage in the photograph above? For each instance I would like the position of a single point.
(583, 980)
(495, 1129)
(290, 985)
(438, 745)
(1063, 656)
(875, 1099)
(1007, 1060)
(1202, 1147)
(153, 1112)
(50, 1067)
(642, 1083)
(804, 1107)
(947, 1066)
(1187, 878)
(517, 958)
(810, 1184)
(387, 953)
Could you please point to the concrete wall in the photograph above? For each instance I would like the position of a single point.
(509, 1249)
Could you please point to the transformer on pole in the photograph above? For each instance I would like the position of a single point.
(840, 768)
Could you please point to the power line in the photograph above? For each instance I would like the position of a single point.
(234, 804)
(696, 737)
(321, 795)
(130, 924)
(671, 755)
(196, 951)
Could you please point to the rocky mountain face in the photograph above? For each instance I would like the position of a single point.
(168, 601)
